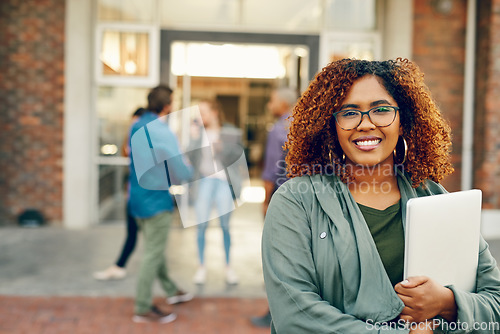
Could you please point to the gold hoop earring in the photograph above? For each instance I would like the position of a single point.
(405, 153)
(330, 155)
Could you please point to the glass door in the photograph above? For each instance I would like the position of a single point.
(115, 109)
(240, 77)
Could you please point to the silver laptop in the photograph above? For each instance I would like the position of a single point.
(442, 238)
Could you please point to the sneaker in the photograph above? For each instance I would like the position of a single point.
(264, 321)
(201, 276)
(113, 272)
(155, 315)
(180, 297)
(231, 277)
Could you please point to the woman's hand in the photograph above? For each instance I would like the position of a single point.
(424, 299)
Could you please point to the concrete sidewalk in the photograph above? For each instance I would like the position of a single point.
(46, 283)
(52, 261)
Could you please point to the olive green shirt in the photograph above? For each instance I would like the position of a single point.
(387, 231)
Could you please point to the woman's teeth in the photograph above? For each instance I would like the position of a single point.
(367, 142)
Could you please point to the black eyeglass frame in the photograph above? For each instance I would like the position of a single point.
(396, 110)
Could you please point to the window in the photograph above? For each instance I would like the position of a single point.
(350, 15)
(199, 14)
(136, 11)
(127, 55)
(335, 46)
(285, 15)
(228, 60)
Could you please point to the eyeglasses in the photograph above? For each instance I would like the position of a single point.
(380, 116)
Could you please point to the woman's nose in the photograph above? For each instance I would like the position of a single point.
(366, 123)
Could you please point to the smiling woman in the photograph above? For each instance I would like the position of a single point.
(401, 83)
(365, 137)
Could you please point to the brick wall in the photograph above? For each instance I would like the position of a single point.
(487, 106)
(439, 50)
(31, 115)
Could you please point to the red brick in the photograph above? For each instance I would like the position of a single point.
(32, 83)
(439, 50)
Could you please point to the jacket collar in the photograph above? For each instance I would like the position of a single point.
(368, 292)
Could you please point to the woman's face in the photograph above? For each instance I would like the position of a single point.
(208, 115)
(367, 144)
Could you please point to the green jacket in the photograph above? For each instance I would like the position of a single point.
(323, 273)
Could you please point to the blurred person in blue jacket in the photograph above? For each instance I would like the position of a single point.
(156, 160)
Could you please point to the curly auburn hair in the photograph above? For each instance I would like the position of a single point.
(313, 147)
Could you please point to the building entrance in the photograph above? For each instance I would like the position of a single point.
(237, 70)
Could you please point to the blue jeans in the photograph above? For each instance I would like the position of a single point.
(213, 192)
(130, 241)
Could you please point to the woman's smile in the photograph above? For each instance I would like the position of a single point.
(367, 143)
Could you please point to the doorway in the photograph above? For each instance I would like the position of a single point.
(239, 70)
